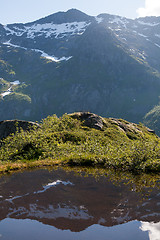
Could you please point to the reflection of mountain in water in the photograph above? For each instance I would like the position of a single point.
(67, 201)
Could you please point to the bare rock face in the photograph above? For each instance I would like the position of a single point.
(94, 121)
(90, 119)
(8, 127)
(128, 126)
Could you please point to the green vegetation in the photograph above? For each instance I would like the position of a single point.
(18, 96)
(3, 85)
(118, 145)
(130, 87)
(152, 119)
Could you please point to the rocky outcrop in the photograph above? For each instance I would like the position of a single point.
(8, 127)
(90, 119)
(94, 121)
(128, 126)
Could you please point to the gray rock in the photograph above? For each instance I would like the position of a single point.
(151, 131)
(90, 119)
(8, 127)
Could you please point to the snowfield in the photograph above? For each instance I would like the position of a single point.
(49, 29)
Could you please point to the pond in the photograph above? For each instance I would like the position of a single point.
(58, 204)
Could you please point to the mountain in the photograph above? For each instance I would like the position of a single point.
(70, 61)
(152, 118)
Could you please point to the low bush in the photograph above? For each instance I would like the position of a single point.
(67, 139)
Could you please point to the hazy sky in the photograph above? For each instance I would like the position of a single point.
(12, 11)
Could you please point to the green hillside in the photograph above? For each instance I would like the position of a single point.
(83, 139)
(152, 119)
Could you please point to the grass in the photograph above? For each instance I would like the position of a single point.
(67, 141)
(18, 96)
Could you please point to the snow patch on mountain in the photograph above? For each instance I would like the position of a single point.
(9, 90)
(99, 19)
(52, 58)
(43, 54)
(49, 29)
(148, 23)
(119, 21)
(13, 45)
(157, 45)
(17, 82)
(9, 31)
(142, 35)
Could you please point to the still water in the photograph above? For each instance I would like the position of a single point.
(58, 205)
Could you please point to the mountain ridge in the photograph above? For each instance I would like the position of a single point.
(106, 64)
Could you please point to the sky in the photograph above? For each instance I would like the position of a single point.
(15, 11)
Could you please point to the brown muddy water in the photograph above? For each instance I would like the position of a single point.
(58, 205)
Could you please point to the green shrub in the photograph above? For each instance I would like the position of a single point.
(67, 140)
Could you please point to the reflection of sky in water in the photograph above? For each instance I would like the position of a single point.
(13, 229)
(152, 228)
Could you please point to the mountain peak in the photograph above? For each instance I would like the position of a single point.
(72, 15)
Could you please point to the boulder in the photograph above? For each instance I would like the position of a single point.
(90, 119)
(8, 127)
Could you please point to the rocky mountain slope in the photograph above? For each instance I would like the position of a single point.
(70, 61)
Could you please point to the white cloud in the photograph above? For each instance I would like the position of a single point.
(152, 8)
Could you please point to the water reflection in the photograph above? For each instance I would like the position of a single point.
(62, 205)
(18, 229)
(152, 228)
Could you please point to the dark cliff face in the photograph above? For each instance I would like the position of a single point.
(70, 62)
